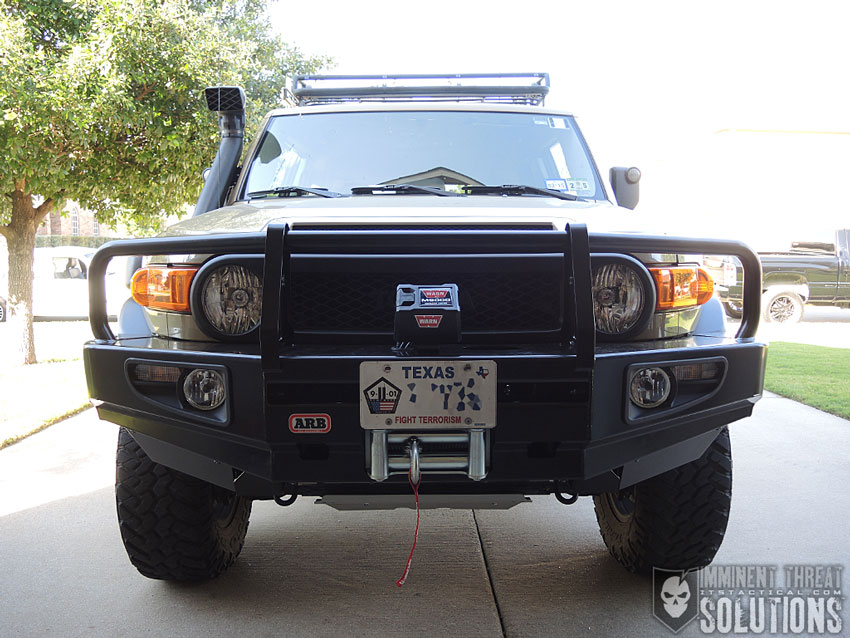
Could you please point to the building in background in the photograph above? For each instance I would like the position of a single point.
(74, 221)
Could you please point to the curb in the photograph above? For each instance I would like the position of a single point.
(17, 438)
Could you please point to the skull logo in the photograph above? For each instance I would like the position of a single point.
(675, 594)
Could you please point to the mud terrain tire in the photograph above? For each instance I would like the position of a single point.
(675, 520)
(174, 526)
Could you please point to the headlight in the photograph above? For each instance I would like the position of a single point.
(230, 300)
(623, 296)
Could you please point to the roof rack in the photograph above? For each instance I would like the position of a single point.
(506, 88)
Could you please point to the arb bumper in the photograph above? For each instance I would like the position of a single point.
(563, 410)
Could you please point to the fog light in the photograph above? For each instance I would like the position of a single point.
(649, 387)
(204, 389)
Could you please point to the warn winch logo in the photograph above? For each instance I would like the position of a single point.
(309, 423)
(429, 321)
(437, 293)
(435, 297)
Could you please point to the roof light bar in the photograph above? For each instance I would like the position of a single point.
(510, 88)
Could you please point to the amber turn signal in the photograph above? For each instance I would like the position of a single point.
(163, 288)
(681, 287)
(705, 286)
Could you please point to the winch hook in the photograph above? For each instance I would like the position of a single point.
(415, 470)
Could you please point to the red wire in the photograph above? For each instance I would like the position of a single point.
(403, 578)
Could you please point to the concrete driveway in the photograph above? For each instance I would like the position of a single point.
(307, 570)
(820, 326)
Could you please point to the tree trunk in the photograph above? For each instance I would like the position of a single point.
(20, 240)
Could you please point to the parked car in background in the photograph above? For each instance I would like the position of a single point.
(60, 284)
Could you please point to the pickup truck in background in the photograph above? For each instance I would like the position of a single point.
(814, 273)
(723, 270)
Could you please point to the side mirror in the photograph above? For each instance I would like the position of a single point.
(134, 262)
(206, 173)
(624, 182)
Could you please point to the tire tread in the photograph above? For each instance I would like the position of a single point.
(680, 516)
(167, 519)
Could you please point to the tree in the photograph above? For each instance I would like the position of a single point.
(101, 102)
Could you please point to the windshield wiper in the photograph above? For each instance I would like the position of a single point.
(520, 189)
(294, 191)
(403, 189)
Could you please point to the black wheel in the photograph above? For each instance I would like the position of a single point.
(733, 310)
(675, 520)
(174, 526)
(2, 311)
(782, 307)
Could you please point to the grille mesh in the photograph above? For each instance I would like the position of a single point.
(365, 302)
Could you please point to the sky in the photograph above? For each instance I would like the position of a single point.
(738, 113)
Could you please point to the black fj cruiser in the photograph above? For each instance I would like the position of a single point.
(417, 278)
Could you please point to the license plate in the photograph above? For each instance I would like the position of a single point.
(429, 395)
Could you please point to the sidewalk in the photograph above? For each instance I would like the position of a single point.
(37, 395)
(31, 396)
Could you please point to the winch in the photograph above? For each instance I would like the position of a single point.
(427, 314)
(427, 452)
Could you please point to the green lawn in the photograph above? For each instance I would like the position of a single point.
(814, 375)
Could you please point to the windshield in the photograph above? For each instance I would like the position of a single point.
(443, 149)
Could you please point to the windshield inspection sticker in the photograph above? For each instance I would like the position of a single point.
(556, 184)
(557, 122)
(578, 185)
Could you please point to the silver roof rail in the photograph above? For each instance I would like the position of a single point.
(505, 88)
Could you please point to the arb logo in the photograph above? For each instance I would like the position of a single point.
(309, 423)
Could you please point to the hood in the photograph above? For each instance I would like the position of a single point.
(413, 210)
